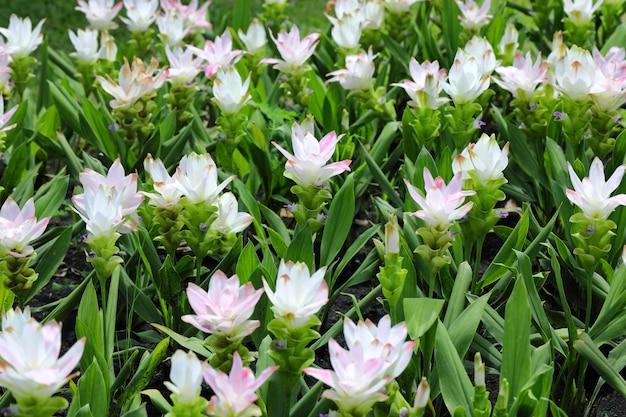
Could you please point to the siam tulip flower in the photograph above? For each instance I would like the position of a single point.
(185, 376)
(358, 74)
(374, 14)
(224, 309)
(19, 227)
(381, 341)
(298, 295)
(482, 51)
(345, 8)
(613, 64)
(100, 13)
(400, 6)
(218, 54)
(581, 12)
(255, 38)
(230, 92)
(21, 38)
(183, 67)
(5, 70)
(357, 381)
(426, 86)
(523, 77)
(346, 32)
(307, 167)
(141, 14)
(466, 79)
(5, 117)
(608, 90)
(483, 161)
(108, 47)
(193, 16)
(235, 393)
(229, 219)
(472, 16)
(593, 193)
(293, 51)
(196, 177)
(575, 73)
(86, 45)
(109, 204)
(30, 366)
(172, 28)
(167, 192)
(440, 207)
(509, 41)
(134, 83)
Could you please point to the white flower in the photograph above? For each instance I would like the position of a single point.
(358, 74)
(230, 92)
(593, 193)
(182, 66)
(374, 14)
(523, 77)
(298, 295)
(5, 117)
(255, 38)
(196, 176)
(141, 14)
(508, 41)
(86, 45)
(580, 12)
(346, 32)
(167, 192)
(472, 16)
(483, 160)
(19, 227)
(575, 72)
(30, 366)
(426, 86)
(466, 80)
(100, 13)
(108, 47)
(185, 375)
(482, 51)
(608, 90)
(400, 6)
(229, 219)
(5, 72)
(21, 38)
(172, 28)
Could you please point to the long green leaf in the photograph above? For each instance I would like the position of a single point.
(339, 222)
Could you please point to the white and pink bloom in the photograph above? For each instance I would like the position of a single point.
(86, 46)
(218, 54)
(5, 70)
(100, 13)
(229, 91)
(224, 309)
(593, 193)
(109, 204)
(196, 177)
(358, 74)
(167, 191)
(522, 79)
(426, 85)
(5, 117)
(466, 79)
(473, 16)
(293, 51)
(298, 295)
(30, 366)
(235, 393)
(608, 90)
(194, 16)
(172, 28)
(229, 218)
(482, 161)
(19, 227)
(133, 83)
(581, 12)
(183, 68)
(21, 38)
(186, 374)
(141, 14)
(442, 204)
(307, 166)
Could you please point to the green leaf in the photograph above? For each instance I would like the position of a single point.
(463, 328)
(301, 249)
(420, 314)
(157, 400)
(516, 347)
(192, 343)
(587, 348)
(49, 196)
(92, 391)
(248, 263)
(456, 304)
(380, 178)
(339, 222)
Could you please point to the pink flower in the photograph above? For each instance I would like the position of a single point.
(30, 366)
(218, 54)
(593, 193)
(358, 74)
(307, 167)
(133, 83)
(293, 51)
(235, 393)
(192, 15)
(5, 117)
(426, 86)
(472, 16)
(298, 295)
(440, 207)
(357, 381)
(19, 227)
(523, 77)
(225, 308)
